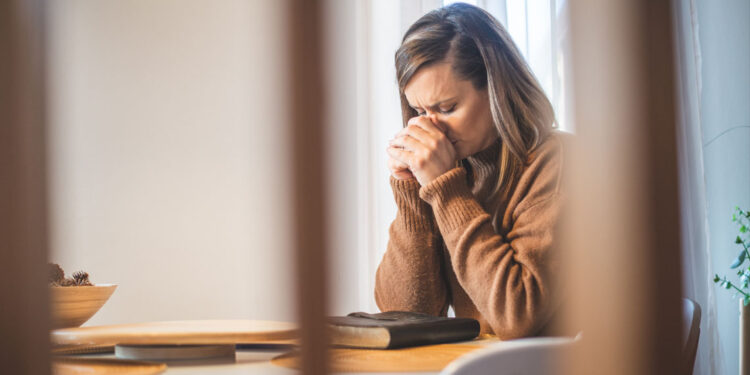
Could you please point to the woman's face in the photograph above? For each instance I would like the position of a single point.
(463, 111)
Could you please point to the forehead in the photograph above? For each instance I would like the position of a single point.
(431, 84)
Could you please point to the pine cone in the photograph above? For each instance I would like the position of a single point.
(68, 282)
(81, 278)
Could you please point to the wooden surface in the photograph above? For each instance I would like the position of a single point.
(83, 349)
(93, 366)
(74, 305)
(418, 359)
(178, 332)
(258, 362)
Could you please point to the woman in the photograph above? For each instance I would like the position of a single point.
(475, 173)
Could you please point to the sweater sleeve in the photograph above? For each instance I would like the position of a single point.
(410, 276)
(507, 278)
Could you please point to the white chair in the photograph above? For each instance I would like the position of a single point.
(691, 327)
(541, 355)
(528, 356)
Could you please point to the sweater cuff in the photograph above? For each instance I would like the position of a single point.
(417, 214)
(451, 199)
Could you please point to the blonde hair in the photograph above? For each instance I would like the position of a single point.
(481, 51)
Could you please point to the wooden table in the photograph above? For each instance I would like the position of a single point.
(258, 361)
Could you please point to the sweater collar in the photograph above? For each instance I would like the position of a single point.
(486, 157)
(483, 168)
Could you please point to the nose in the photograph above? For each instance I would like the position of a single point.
(439, 124)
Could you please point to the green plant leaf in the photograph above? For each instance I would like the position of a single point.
(716, 278)
(739, 260)
(738, 240)
(743, 229)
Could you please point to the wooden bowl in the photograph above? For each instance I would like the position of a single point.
(74, 305)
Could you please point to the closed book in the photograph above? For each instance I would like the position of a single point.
(398, 329)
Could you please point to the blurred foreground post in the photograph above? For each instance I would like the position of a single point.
(24, 311)
(622, 241)
(309, 185)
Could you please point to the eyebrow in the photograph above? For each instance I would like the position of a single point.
(436, 104)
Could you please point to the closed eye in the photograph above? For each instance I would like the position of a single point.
(449, 110)
(443, 111)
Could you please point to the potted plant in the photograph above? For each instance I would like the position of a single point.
(742, 289)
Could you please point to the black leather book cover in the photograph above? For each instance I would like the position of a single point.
(404, 328)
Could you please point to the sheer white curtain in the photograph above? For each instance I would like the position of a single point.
(696, 256)
(538, 28)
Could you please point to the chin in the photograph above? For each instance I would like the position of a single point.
(459, 151)
(463, 153)
(459, 154)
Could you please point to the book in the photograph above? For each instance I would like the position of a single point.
(398, 329)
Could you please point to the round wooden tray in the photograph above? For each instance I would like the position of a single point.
(178, 333)
(94, 366)
(417, 359)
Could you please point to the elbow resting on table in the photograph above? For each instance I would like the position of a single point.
(522, 309)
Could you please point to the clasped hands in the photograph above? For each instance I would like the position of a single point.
(421, 150)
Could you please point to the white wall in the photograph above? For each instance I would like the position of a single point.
(168, 165)
(724, 32)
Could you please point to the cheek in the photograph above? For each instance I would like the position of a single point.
(458, 125)
(480, 122)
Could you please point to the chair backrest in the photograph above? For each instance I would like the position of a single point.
(541, 355)
(691, 321)
(529, 356)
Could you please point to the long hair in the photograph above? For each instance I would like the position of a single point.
(482, 52)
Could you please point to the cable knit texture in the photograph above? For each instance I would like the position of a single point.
(447, 249)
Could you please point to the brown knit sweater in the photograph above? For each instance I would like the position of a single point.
(445, 249)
